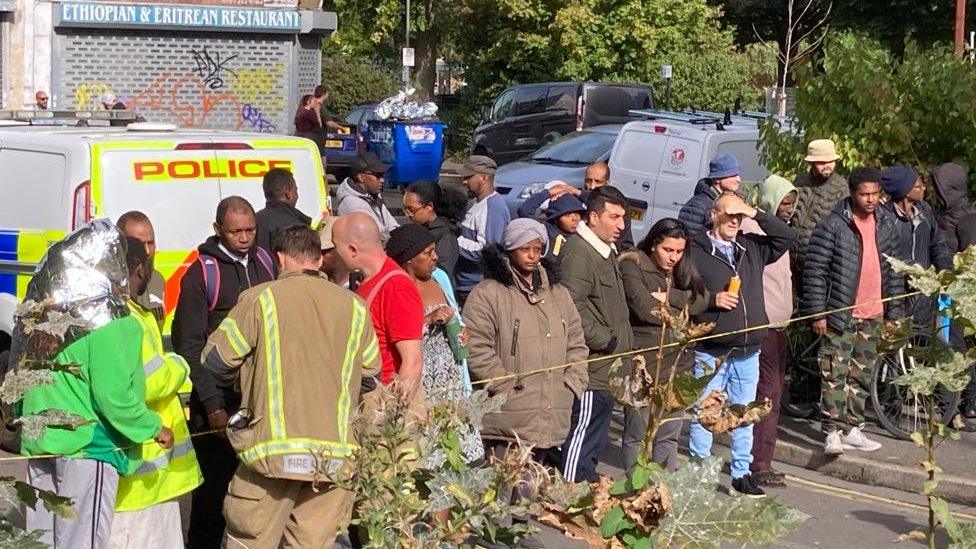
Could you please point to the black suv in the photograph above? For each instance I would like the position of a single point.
(525, 117)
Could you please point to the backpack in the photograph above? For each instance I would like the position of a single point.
(211, 273)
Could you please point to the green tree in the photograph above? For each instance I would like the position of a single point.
(354, 81)
(879, 109)
(375, 29)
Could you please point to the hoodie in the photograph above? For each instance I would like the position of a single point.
(955, 214)
(696, 213)
(777, 276)
(194, 321)
(350, 197)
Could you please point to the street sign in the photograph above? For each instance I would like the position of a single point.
(665, 71)
(408, 57)
(405, 75)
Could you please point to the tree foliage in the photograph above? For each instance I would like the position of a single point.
(354, 81)
(880, 110)
(537, 40)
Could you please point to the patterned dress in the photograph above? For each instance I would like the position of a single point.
(442, 379)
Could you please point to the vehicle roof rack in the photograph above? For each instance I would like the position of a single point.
(28, 115)
(691, 118)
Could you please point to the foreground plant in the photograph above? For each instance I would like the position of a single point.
(950, 371)
(651, 508)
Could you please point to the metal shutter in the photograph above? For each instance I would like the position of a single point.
(225, 81)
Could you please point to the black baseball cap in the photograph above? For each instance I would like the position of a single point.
(368, 162)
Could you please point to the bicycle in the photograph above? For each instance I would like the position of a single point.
(898, 409)
(894, 407)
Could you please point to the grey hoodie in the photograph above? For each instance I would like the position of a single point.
(350, 197)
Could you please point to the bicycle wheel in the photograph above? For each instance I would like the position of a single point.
(898, 409)
(801, 396)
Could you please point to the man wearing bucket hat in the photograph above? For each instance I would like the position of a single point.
(818, 191)
(723, 176)
(920, 242)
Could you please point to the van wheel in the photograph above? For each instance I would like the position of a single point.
(5, 341)
(550, 137)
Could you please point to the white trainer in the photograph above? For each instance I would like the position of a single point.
(855, 440)
(833, 446)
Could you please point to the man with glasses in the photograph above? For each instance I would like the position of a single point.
(40, 100)
(362, 192)
(229, 263)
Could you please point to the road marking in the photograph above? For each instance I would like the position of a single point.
(855, 496)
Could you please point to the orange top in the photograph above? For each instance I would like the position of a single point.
(868, 298)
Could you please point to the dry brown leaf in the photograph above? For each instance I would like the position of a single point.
(572, 530)
(649, 507)
(717, 416)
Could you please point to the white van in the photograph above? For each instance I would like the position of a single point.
(657, 162)
(54, 178)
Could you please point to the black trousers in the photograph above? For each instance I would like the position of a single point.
(588, 435)
(218, 462)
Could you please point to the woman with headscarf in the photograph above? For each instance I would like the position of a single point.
(657, 274)
(444, 375)
(521, 320)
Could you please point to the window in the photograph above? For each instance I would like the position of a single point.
(748, 155)
(562, 99)
(616, 100)
(530, 100)
(44, 206)
(583, 147)
(503, 105)
(355, 116)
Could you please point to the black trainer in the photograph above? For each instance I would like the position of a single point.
(747, 486)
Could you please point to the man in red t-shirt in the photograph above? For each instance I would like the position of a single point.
(393, 300)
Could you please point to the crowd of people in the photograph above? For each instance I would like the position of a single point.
(283, 331)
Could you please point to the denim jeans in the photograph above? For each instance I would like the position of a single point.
(738, 377)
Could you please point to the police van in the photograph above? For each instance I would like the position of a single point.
(657, 162)
(55, 178)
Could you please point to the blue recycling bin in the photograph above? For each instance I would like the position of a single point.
(414, 149)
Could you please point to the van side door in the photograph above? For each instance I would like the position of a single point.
(527, 115)
(635, 163)
(492, 137)
(560, 116)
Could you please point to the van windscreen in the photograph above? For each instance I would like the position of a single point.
(582, 147)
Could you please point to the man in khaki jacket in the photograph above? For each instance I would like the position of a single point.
(299, 348)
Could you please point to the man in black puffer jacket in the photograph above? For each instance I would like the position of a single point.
(720, 255)
(845, 266)
(920, 242)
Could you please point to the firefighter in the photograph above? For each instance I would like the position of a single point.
(299, 348)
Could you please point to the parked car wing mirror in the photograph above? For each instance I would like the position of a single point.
(485, 113)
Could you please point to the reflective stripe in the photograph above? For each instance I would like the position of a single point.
(154, 364)
(272, 351)
(312, 446)
(162, 461)
(352, 350)
(234, 336)
(372, 351)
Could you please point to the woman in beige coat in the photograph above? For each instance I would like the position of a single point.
(521, 319)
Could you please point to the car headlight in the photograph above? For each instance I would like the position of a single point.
(531, 190)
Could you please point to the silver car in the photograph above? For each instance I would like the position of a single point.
(565, 160)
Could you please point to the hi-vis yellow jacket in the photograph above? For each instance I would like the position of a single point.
(157, 475)
(298, 347)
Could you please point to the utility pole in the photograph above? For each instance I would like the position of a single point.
(406, 45)
(960, 27)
